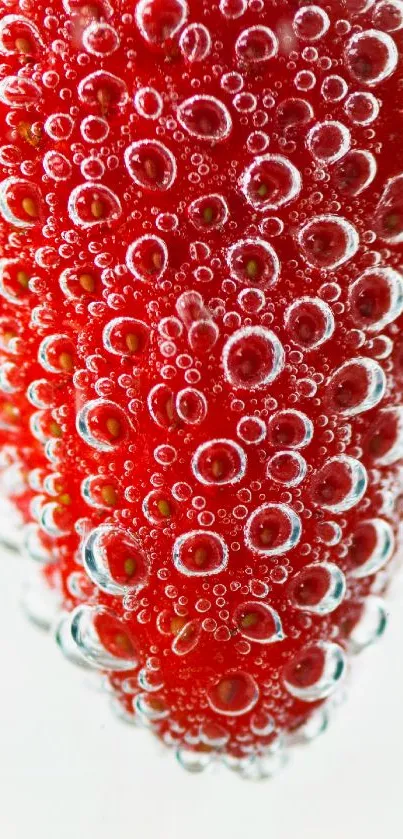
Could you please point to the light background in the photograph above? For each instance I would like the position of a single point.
(69, 769)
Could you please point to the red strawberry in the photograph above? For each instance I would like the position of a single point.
(202, 227)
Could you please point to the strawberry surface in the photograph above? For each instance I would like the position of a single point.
(202, 366)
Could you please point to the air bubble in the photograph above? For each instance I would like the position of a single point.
(357, 386)
(287, 468)
(252, 357)
(113, 560)
(205, 117)
(328, 141)
(251, 300)
(389, 215)
(289, 428)
(372, 546)
(219, 462)
(202, 336)
(151, 165)
(125, 336)
(256, 45)
(318, 588)
(315, 672)
(272, 529)
(371, 56)
(97, 636)
(195, 42)
(102, 424)
(187, 638)
(100, 39)
(160, 402)
(251, 430)
(57, 166)
(328, 241)
(210, 212)
(371, 624)
(253, 262)
(19, 36)
(258, 622)
(384, 442)
(233, 9)
(311, 23)
(292, 113)
(388, 15)
(355, 172)
(362, 108)
(20, 202)
(310, 322)
(103, 90)
(334, 88)
(160, 20)
(147, 258)
(191, 406)
(91, 204)
(376, 298)
(14, 281)
(270, 182)
(94, 129)
(56, 354)
(19, 92)
(340, 484)
(200, 553)
(234, 694)
(148, 103)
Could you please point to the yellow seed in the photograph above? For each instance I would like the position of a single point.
(10, 411)
(164, 508)
(8, 336)
(26, 133)
(97, 208)
(30, 207)
(177, 625)
(123, 642)
(169, 408)
(65, 499)
(109, 495)
(55, 429)
(66, 361)
(87, 282)
(156, 259)
(104, 99)
(226, 690)
(266, 536)
(392, 221)
(22, 279)
(217, 468)
(130, 566)
(262, 191)
(208, 214)
(150, 168)
(113, 426)
(23, 45)
(252, 268)
(200, 557)
(132, 342)
(250, 620)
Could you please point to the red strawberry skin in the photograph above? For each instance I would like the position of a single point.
(201, 296)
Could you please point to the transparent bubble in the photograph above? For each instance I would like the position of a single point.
(270, 182)
(371, 624)
(210, 212)
(253, 262)
(272, 529)
(310, 322)
(315, 672)
(234, 694)
(202, 336)
(19, 92)
(193, 761)
(251, 430)
(376, 298)
(251, 300)
(113, 560)
(256, 45)
(328, 141)
(150, 709)
(357, 386)
(160, 20)
(157, 507)
(191, 405)
(100, 492)
(293, 112)
(388, 15)
(96, 636)
(187, 638)
(372, 546)
(92, 204)
(214, 735)
(103, 90)
(318, 588)
(258, 622)
(57, 166)
(384, 441)
(362, 108)
(14, 281)
(147, 258)
(233, 9)
(287, 468)
(340, 484)
(102, 424)
(151, 165)
(252, 357)
(195, 42)
(200, 553)
(290, 428)
(389, 215)
(100, 39)
(56, 353)
(19, 36)
(205, 117)
(94, 129)
(160, 402)
(371, 56)
(148, 103)
(328, 241)
(334, 88)
(311, 23)
(20, 202)
(219, 462)
(355, 172)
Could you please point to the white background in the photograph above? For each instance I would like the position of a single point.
(69, 769)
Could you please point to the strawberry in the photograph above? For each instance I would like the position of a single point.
(202, 366)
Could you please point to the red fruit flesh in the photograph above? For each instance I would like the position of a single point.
(201, 297)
